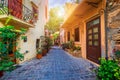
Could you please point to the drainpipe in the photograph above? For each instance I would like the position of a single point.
(106, 31)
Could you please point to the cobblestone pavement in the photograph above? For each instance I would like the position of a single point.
(57, 65)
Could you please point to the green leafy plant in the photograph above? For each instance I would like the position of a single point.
(54, 20)
(6, 66)
(71, 44)
(77, 48)
(117, 54)
(24, 38)
(39, 51)
(18, 55)
(65, 46)
(8, 37)
(108, 70)
(48, 43)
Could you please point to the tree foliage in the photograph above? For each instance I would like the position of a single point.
(55, 35)
(55, 20)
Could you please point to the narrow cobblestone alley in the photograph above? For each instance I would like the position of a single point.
(57, 65)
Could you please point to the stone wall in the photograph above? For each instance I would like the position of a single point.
(114, 28)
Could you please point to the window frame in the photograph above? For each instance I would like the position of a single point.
(76, 35)
(68, 36)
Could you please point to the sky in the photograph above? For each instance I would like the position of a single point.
(54, 3)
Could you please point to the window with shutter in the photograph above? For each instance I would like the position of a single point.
(37, 43)
(68, 36)
(77, 34)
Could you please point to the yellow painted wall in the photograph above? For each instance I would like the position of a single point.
(89, 15)
(69, 8)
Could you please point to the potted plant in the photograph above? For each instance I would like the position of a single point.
(8, 37)
(39, 54)
(44, 48)
(77, 51)
(65, 46)
(48, 43)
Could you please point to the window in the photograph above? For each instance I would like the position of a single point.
(35, 11)
(94, 22)
(37, 43)
(68, 36)
(77, 34)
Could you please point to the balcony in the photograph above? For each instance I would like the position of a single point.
(20, 15)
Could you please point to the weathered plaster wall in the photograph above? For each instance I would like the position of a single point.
(33, 34)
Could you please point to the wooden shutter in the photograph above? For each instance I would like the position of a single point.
(37, 43)
(68, 36)
(77, 34)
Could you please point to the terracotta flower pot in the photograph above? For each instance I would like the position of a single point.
(39, 56)
(1, 73)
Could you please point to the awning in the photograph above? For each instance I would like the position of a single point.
(17, 23)
(78, 13)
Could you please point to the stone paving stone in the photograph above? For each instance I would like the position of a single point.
(57, 65)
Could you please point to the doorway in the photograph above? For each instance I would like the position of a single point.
(93, 40)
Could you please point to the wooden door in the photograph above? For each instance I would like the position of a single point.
(93, 40)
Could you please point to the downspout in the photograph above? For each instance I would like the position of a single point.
(106, 31)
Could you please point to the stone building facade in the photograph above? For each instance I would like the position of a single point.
(113, 28)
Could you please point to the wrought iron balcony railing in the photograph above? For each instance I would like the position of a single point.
(16, 9)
